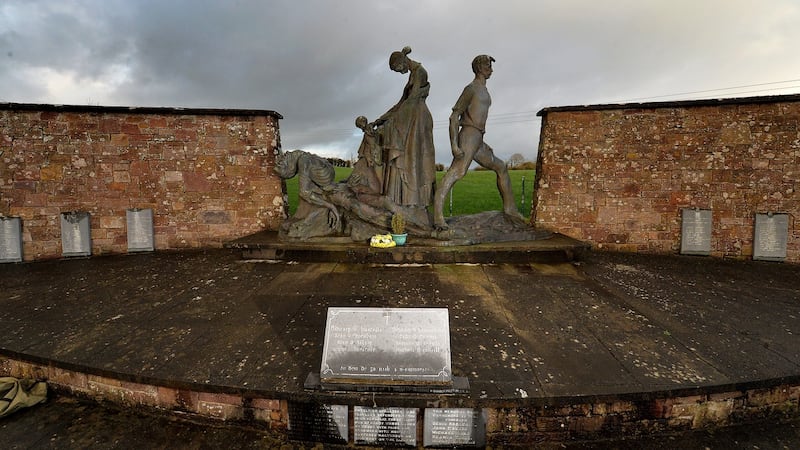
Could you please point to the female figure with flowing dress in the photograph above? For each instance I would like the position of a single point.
(407, 139)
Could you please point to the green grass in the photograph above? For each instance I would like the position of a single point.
(474, 193)
(477, 192)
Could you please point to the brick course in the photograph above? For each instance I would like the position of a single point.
(618, 176)
(206, 174)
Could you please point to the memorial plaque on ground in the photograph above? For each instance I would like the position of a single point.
(770, 237)
(318, 422)
(75, 234)
(10, 239)
(695, 231)
(387, 346)
(140, 230)
(391, 427)
(447, 427)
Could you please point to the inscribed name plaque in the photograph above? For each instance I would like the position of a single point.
(393, 346)
(140, 230)
(75, 235)
(318, 422)
(10, 239)
(695, 231)
(447, 427)
(391, 427)
(771, 236)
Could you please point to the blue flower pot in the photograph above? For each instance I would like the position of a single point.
(399, 239)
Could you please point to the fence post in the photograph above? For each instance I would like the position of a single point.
(451, 202)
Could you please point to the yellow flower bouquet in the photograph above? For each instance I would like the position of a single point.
(382, 241)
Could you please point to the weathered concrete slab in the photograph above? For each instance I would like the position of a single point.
(609, 324)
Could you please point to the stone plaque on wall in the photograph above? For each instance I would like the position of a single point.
(76, 238)
(448, 427)
(771, 235)
(140, 230)
(391, 427)
(318, 423)
(695, 231)
(387, 346)
(10, 239)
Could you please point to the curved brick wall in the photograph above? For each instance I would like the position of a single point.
(205, 173)
(513, 422)
(618, 176)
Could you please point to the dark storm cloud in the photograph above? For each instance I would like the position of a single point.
(322, 63)
(59, 37)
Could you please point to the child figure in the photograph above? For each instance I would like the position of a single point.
(367, 176)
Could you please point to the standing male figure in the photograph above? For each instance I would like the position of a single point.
(467, 126)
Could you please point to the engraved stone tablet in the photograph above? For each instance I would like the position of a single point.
(447, 427)
(696, 231)
(75, 235)
(771, 236)
(318, 423)
(10, 239)
(390, 427)
(387, 346)
(140, 230)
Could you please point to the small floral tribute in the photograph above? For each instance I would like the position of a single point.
(382, 241)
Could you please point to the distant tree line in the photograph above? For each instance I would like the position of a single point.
(339, 162)
(516, 162)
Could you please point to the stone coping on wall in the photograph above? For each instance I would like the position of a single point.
(675, 104)
(138, 110)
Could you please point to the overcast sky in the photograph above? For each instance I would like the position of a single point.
(323, 63)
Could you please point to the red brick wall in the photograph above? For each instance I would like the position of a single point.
(618, 176)
(206, 174)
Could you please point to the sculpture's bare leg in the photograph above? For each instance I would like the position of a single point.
(455, 172)
(485, 157)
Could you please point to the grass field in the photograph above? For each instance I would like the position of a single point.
(474, 193)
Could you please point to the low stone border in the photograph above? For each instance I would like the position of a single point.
(509, 421)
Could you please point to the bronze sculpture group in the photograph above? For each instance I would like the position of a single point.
(396, 170)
